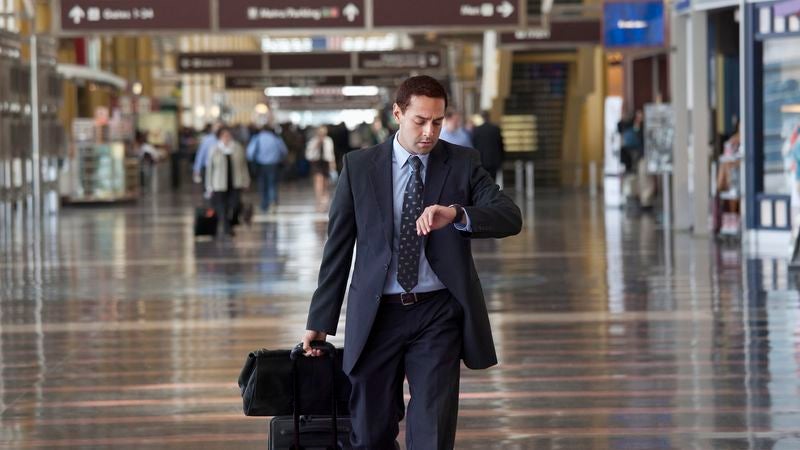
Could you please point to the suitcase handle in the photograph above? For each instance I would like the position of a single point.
(296, 352)
(325, 346)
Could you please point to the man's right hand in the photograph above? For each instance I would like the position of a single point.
(197, 178)
(312, 335)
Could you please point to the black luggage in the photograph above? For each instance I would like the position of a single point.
(311, 432)
(205, 221)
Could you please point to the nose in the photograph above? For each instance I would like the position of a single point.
(427, 130)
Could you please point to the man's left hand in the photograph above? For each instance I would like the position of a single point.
(434, 217)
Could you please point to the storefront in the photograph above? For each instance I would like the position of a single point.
(772, 77)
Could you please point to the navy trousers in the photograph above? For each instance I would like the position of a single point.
(421, 342)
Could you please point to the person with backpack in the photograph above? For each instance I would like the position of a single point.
(631, 152)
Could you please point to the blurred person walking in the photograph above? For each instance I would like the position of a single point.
(340, 136)
(207, 142)
(453, 130)
(487, 138)
(226, 176)
(267, 150)
(631, 154)
(319, 152)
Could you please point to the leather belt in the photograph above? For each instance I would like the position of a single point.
(409, 298)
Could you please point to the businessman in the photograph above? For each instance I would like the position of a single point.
(415, 309)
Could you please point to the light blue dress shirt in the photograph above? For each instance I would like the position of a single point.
(200, 158)
(401, 173)
(458, 137)
(266, 148)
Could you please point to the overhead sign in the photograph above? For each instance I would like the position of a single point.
(410, 59)
(426, 13)
(219, 62)
(260, 82)
(331, 63)
(237, 14)
(587, 32)
(633, 24)
(381, 80)
(115, 15)
(305, 61)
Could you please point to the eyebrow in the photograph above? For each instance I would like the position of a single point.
(425, 118)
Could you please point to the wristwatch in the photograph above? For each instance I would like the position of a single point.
(459, 212)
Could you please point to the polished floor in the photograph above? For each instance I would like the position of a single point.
(119, 330)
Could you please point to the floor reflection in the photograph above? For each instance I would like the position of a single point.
(119, 329)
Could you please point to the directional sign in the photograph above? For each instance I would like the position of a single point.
(260, 82)
(237, 14)
(400, 60)
(219, 62)
(308, 61)
(115, 15)
(588, 32)
(411, 13)
(384, 80)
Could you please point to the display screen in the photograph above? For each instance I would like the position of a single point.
(633, 24)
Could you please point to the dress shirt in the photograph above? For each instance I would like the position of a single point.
(200, 159)
(266, 148)
(401, 173)
(458, 137)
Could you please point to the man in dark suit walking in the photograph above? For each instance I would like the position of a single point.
(488, 140)
(415, 307)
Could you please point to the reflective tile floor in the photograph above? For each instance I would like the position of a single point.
(119, 330)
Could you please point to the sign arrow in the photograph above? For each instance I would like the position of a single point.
(505, 8)
(351, 11)
(76, 14)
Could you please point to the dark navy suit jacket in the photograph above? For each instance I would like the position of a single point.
(361, 216)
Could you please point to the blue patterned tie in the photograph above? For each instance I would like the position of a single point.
(408, 263)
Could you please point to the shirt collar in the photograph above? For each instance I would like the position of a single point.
(401, 155)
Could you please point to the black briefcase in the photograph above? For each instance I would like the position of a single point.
(267, 383)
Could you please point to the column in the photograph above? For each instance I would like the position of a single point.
(682, 216)
(700, 117)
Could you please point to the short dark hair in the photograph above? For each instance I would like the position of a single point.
(223, 129)
(421, 85)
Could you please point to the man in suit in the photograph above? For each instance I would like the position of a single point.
(415, 306)
(488, 140)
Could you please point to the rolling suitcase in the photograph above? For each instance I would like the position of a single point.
(205, 222)
(310, 432)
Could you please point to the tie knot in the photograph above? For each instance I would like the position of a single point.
(416, 163)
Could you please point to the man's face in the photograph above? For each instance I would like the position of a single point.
(420, 124)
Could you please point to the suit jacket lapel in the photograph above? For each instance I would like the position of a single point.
(381, 179)
(435, 175)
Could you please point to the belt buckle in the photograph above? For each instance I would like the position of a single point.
(411, 296)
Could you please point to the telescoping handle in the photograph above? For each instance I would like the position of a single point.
(330, 351)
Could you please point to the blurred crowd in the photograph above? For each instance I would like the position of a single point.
(225, 158)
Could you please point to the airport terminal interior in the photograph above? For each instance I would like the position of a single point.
(650, 300)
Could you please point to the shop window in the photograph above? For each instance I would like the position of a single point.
(781, 115)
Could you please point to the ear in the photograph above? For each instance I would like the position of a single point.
(396, 112)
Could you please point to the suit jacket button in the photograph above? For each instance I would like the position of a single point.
(386, 267)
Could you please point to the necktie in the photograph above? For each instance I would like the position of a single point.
(408, 263)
